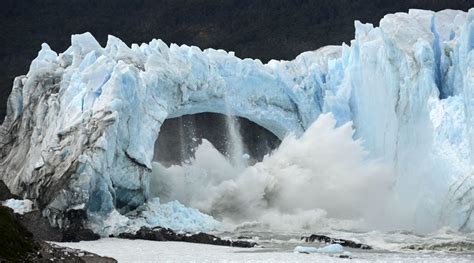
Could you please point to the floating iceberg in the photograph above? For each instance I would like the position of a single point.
(81, 125)
(329, 249)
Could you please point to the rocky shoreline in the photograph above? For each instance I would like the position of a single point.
(18, 244)
(25, 236)
(165, 234)
(329, 240)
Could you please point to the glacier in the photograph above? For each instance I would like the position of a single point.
(81, 124)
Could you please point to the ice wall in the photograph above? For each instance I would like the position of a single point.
(81, 125)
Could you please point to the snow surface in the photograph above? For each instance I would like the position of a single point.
(152, 251)
(19, 206)
(84, 121)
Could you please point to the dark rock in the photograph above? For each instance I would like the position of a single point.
(451, 246)
(51, 252)
(330, 240)
(5, 193)
(71, 235)
(240, 243)
(148, 234)
(74, 230)
(17, 244)
(165, 234)
(40, 227)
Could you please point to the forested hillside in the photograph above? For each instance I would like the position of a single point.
(279, 29)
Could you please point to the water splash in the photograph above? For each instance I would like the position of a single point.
(324, 173)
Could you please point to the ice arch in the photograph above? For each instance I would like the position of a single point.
(92, 114)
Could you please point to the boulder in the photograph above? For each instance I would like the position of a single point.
(330, 240)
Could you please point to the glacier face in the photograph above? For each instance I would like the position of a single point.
(81, 125)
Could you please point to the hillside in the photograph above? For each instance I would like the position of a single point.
(279, 29)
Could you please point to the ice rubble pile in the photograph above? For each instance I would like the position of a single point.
(81, 125)
(153, 213)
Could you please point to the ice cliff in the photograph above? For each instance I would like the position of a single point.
(81, 125)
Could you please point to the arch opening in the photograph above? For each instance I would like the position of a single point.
(180, 136)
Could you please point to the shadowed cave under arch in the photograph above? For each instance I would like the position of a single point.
(179, 137)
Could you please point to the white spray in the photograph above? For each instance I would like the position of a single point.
(324, 173)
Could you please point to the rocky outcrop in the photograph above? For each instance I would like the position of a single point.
(18, 244)
(16, 241)
(5, 192)
(34, 222)
(329, 240)
(40, 226)
(54, 253)
(74, 231)
(446, 246)
(165, 234)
